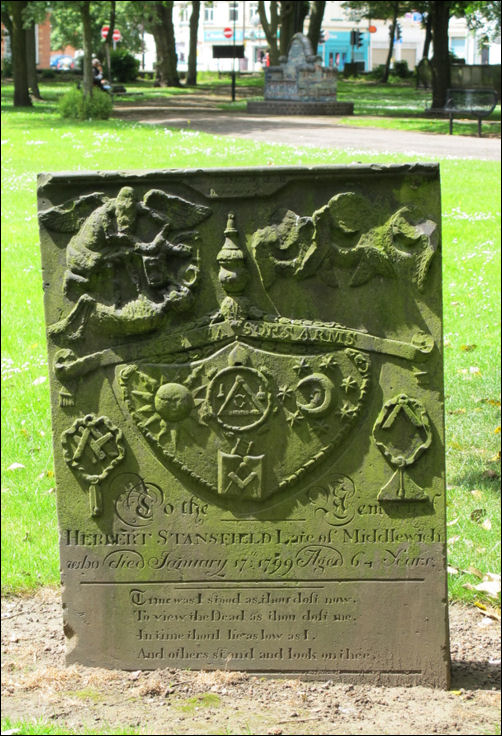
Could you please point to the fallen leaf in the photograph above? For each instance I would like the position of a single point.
(487, 524)
(496, 430)
(474, 369)
(492, 402)
(452, 522)
(452, 540)
(458, 411)
(478, 514)
(474, 571)
(478, 604)
(490, 587)
(495, 458)
(452, 570)
(477, 494)
(15, 466)
(39, 380)
(468, 348)
(456, 692)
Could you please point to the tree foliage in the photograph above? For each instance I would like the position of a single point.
(66, 25)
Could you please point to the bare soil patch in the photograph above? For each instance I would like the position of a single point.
(36, 684)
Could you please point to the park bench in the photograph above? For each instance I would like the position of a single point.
(476, 102)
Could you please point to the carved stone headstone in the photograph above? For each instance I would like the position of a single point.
(247, 395)
(300, 85)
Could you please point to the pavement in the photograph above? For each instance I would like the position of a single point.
(316, 131)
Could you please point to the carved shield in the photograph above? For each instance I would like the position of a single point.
(247, 421)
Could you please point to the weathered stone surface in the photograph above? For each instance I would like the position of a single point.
(247, 393)
(300, 75)
(295, 107)
(300, 85)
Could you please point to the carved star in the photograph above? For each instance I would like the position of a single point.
(347, 410)
(301, 367)
(284, 392)
(295, 417)
(328, 362)
(348, 383)
(322, 427)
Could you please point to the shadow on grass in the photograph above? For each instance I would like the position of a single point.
(487, 479)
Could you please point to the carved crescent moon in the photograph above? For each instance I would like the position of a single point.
(327, 388)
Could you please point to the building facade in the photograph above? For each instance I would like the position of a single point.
(223, 22)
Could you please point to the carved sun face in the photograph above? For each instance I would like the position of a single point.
(173, 402)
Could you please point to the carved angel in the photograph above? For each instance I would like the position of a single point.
(129, 262)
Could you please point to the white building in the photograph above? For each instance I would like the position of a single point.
(222, 22)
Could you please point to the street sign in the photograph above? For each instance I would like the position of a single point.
(372, 29)
(117, 36)
(104, 31)
(227, 32)
(228, 52)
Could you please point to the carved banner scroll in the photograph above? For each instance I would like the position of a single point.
(247, 389)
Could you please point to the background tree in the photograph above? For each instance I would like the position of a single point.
(478, 15)
(109, 36)
(292, 17)
(286, 19)
(387, 11)
(270, 29)
(13, 20)
(192, 53)
(316, 18)
(66, 25)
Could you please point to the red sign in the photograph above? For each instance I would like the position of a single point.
(104, 31)
(372, 29)
(117, 36)
(227, 32)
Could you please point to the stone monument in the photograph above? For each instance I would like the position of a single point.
(247, 401)
(300, 85)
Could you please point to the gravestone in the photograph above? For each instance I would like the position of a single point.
(300, 85)
(247, 402)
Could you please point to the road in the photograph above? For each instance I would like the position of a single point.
(317, 131)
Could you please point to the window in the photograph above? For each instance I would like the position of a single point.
(209, 12)
(252, 11)
(233, 12)
(184, 13)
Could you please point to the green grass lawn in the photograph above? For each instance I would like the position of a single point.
(38, 140)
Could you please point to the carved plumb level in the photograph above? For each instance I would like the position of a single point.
(246, 379)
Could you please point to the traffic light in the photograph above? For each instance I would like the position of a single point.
(398, 32)
(359, 39)
(322, 38)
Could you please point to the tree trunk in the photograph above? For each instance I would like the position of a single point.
(428, 36)
(31, 61)
(165, 35)
(270, 29)
(160, 53)
(293, 15)
(316, 17)
(19, 66)
(85, 12)
(392, 33)
(192, 54)
(440, 63)
(109, 38)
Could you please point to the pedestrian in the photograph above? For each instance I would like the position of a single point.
(97, 76)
